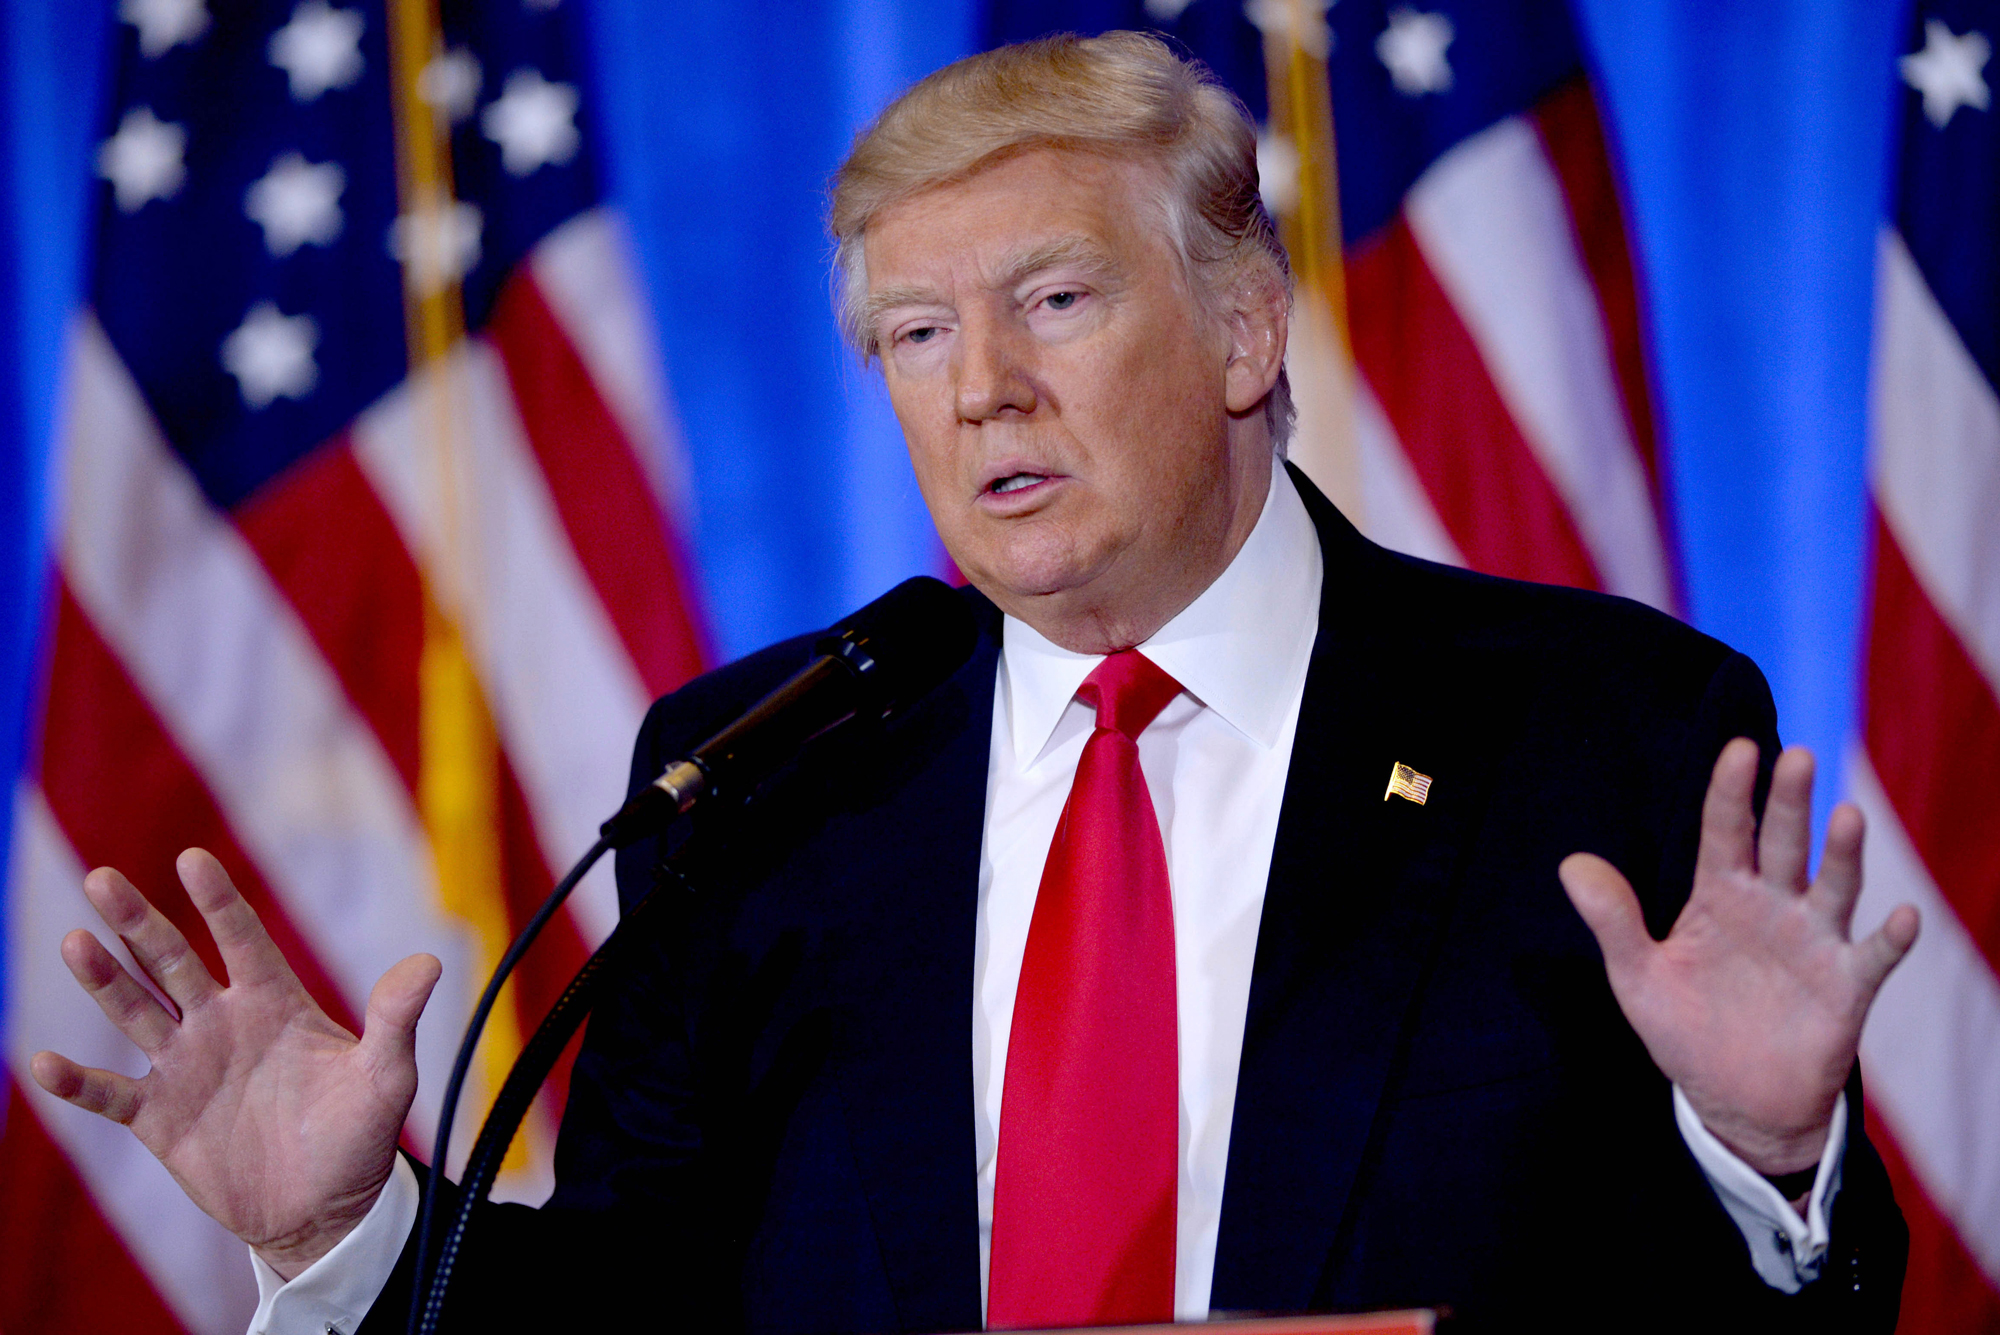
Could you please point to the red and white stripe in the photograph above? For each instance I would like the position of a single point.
(1503, 421)
(1928, 779)
(247, 682)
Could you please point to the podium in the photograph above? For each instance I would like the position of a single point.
(1416, 1322)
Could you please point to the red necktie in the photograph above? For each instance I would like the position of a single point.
(1089, 1152)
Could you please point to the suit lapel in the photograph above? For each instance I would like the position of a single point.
(1359, 890)
(906, 1058)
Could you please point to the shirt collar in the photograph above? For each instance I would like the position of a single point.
(1241, 648)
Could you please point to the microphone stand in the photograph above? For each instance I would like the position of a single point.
(533, 1065)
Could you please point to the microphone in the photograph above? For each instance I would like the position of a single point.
(884, 657)
(887, 655)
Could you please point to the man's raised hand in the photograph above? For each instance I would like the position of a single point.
(1753, 1004)
(274, 1119)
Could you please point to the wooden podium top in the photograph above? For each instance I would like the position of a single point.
(1368, 1323)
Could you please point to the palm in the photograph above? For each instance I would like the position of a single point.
(275, 1120)
(243, 1068)
(1754, 1003)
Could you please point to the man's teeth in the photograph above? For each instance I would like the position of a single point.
(1016, 482)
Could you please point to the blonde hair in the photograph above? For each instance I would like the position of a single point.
(1124, 94)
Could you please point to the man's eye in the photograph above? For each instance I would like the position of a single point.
(922, 335)
(1062, 301)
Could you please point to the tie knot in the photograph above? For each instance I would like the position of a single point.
(1128, 691)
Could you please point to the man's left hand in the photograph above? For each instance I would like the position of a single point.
(1753, 1004)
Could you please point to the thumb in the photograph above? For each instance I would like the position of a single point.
(1604, 899)
(1883, 949)
(389, 1032)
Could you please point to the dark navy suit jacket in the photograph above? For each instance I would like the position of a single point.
(771, 1122)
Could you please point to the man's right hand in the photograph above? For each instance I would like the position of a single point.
(274, 1119)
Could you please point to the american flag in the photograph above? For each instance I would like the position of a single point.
(365, 569)
(1468, 353)
(1928, 771)
(1473, 386)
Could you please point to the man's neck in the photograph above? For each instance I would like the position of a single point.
(1242, 648)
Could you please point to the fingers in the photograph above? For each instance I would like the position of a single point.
(105, 1093)
(248, 952)
(156, 943)
(1839, 882)
(1605, 900)
(136, 1012)
(1884, 948)
(389, 1032)
(1727, 825)
(1786, 837)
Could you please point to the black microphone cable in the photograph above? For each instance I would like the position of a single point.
(424, 1309)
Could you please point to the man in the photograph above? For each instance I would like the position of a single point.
(1268, 1037)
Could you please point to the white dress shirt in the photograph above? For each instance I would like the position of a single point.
(1215, 762)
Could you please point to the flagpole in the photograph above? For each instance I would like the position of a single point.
(1320, 358)
(458, 784)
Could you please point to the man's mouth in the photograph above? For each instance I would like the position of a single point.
(1015, 482)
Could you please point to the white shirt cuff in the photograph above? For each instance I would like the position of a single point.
(1788, 1251)
(336, 1291)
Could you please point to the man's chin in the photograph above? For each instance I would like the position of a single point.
(1030, 582)
(1063, 605)
(1030, 561)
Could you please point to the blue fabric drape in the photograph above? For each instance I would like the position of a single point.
(1755, 141)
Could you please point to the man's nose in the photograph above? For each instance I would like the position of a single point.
(992, 371)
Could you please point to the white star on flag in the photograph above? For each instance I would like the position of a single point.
(437, 245)
(1412, 47)
(271, 355)
(319, 49)
(1166, 11)
(450, 83)
(533, 121)
(164, 24)
(143, 159)
(1948, 72)
(1304, 23)
(1278, 172)
(296, 202)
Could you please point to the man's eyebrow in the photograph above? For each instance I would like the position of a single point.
(1078, 251)
(894, 298)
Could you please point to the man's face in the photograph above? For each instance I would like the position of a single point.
(1083, 430)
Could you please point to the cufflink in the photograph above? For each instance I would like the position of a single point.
(1407, 784)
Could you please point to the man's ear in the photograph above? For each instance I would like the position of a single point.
(1258, 316)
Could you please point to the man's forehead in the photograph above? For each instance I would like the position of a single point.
(1041, 210)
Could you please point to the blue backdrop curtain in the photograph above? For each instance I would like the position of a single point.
(1755, 141)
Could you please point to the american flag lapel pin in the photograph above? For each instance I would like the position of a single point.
(1407, 784)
